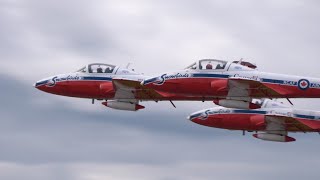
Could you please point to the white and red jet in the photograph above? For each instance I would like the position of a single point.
(273, 120)
(97, 81)
(231, 84)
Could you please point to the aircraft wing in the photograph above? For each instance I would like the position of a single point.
(242, 88)
(132, 89)
(277, 124)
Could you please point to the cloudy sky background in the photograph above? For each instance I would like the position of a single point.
(50, 137)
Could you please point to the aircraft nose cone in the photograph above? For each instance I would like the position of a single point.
(197, 115)
(35, 86)
(40, 83)
(192, 117)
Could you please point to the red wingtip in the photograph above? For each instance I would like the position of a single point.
(290, 139)
(254, 106)
(216, 101)
(138, 106)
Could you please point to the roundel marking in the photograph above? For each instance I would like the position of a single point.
(303, 84)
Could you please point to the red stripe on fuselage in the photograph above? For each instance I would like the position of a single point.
(294, 91)
(81, 89)
(191, 86)
(234, 121)
(251, 122)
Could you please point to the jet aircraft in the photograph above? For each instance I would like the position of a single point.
(231, 84)
(97, 81)
(271, 122)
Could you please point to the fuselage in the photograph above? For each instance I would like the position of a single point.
(254, 120)
(88, 82)
(213, 83)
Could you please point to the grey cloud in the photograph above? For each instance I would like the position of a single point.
(44, 136)
(69, 26)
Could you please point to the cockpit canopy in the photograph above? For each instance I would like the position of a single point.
(208, 64)
(247, 64)
(98, 68)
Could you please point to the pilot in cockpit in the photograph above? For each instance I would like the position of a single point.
(209, 66)
(219, 66)
(108, 70)
(99, 70)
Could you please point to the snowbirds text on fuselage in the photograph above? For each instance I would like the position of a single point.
(273, 120)
(231, 84)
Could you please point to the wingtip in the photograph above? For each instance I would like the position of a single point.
(138, 107)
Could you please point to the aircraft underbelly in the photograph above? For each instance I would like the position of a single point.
(85, 89)
(233, 122)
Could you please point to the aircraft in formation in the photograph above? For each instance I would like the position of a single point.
(274, 119)
(236, 84)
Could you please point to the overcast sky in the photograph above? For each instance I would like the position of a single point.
(43, 136)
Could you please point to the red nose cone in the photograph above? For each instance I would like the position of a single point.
(41, 88)
(105, 103)
(255, 135)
